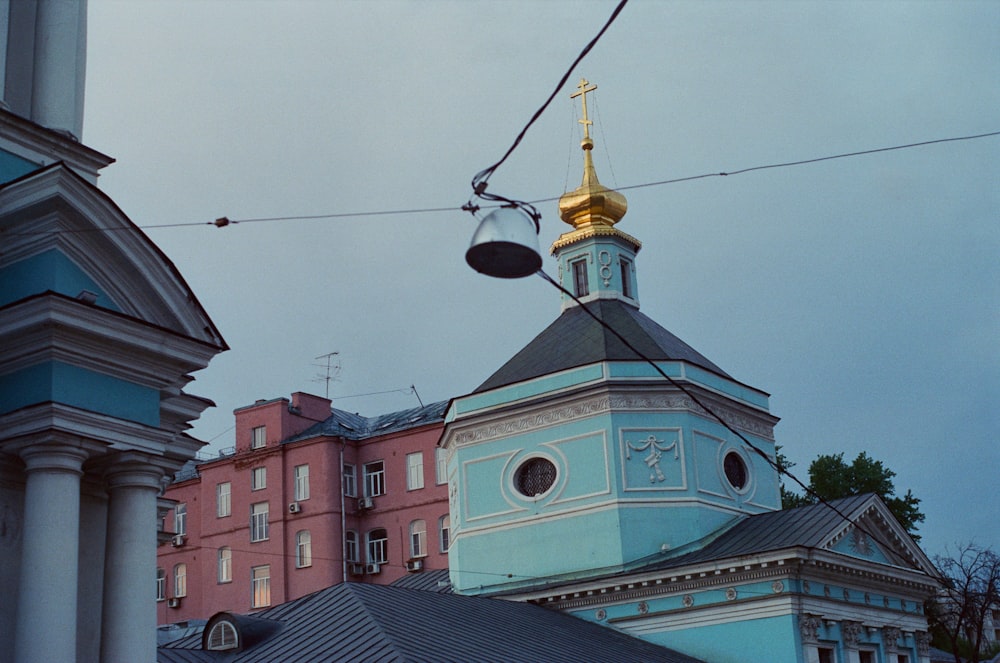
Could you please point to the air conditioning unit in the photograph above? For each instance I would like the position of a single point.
(357, 569)
(294, 507)
(178, 540)
(173, 603)
(365, 503)
(373, 569)
(415, 565)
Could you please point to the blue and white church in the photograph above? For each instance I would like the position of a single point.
(591, 474)
(99, 336)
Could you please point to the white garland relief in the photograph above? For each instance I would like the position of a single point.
(656, 450)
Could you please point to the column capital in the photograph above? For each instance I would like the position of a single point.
(54, 456)
(132, 469)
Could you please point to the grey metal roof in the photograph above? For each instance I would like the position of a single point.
(358, 622)
(576, 339)
(437, 580)
(354, 426)
(808, 526)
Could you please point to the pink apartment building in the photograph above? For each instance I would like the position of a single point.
(310, 497)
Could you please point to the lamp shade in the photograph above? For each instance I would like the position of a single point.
(505, 245)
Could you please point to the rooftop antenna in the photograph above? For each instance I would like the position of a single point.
(414, 390)
(332, 370)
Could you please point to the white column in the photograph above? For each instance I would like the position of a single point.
(60, 65)
(128, 629)
(47, 594)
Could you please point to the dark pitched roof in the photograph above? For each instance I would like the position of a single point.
(356, 622)
(576, 339)
(437, 580)
(353, 426)
(808, 526)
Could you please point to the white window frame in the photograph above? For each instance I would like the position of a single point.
(444, 532)
(223, 499)
(351, 553)
(161, 584)
(258, 522)
(223, 637)
(440, 466)
(415, 470)
(581, 279)
(224, 570)
(180, 580)
(625, 269)
(377, 547)
(258, 478)
(260, 580)
(418, 539)
(258, 437)
(374, 478)
(180, 518)
(303, 549)
(301, 482)
(350, 480)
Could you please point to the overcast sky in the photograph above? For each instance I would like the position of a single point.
(862, 293)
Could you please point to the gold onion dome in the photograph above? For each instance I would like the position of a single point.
(592, 208)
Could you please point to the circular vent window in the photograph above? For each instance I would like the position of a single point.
(534, 477)
(736, 470)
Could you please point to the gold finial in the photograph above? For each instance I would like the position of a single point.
(592, 208)
(583, 90)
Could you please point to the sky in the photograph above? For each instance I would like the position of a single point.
(862, 293)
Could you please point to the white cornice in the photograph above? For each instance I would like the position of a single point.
(44, 146)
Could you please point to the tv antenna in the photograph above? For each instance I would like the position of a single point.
(332, 370)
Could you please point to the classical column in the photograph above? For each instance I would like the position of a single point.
(47, 594)
(59, 65)
(128, 630)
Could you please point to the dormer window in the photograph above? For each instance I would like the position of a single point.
(222, 637)
(581, 288)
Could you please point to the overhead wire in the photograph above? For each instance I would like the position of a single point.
(432, 210)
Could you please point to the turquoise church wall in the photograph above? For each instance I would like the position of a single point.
(48, 271)
(767, 640)
(81, 388)
(13, 166)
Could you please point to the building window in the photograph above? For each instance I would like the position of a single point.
(374, 479)
(378, 546)
(222, 637)
(415, 471)
(258, 478)
(535, 476)
(301, 482)
(258, 437)
(580, 286)
(351, 546)
(866, 657)
(225, 564)
(444, 526)
(736, 470)
(440, 466)
(180, 580)
(350, 481)
(826, 655)
(261, 586)
(258, 521)
(223, 499)
(161, 585)
(626, 273)
(180, 518)
(303, 549)
(418, 539)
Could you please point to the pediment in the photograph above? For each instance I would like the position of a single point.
(56, 215)
(872, 533)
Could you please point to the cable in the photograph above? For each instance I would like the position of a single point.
(430, 210)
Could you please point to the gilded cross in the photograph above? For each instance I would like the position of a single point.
(584, 89)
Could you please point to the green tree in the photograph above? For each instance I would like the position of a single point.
(831, 477)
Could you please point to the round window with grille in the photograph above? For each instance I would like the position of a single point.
(534, 477)
(736, 470)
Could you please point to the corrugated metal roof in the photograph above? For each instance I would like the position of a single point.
(357, 622)
(354, 426)
(576, 339)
